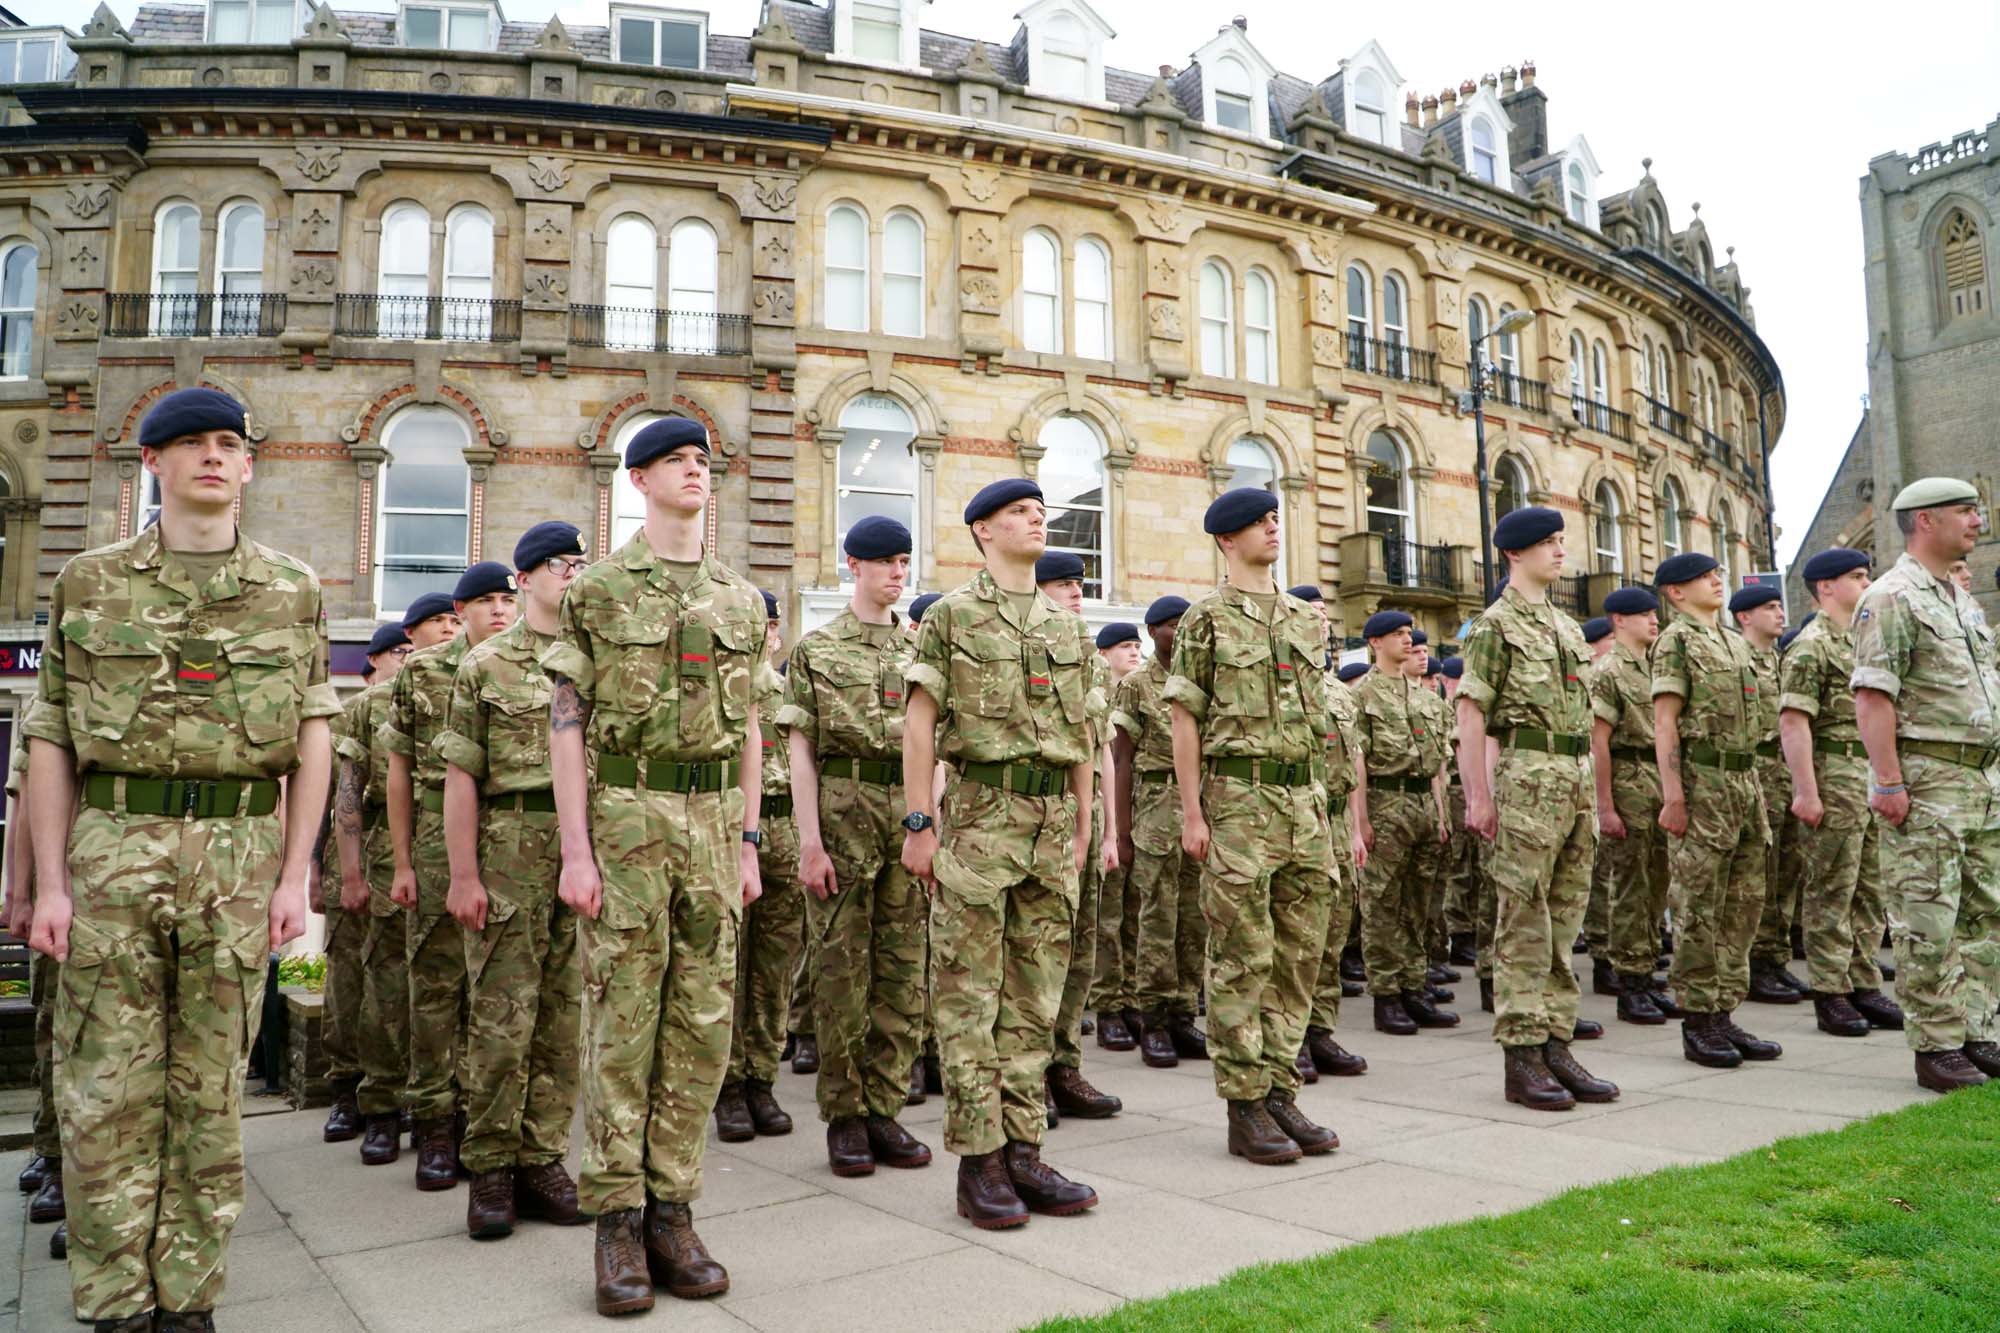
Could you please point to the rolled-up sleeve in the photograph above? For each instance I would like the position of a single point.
(570, 656)
(930, 669)
(1191, 676)
(1485, 657)
(462, 743)
(48, 719)
(1670, 663)
(1884, 634)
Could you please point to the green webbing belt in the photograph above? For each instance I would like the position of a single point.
(181, 797)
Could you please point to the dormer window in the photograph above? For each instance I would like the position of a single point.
(36, 57)
(1577, 190)
(882, 32)
(668, 38)
(1369, 84)
(1371, 107)
(878, 32)
(1235, 79)
(260, 22)
(1065, 40)
(1484, 126)
(1485, 156)
(1579, 183)
(450, 27)
(1232, 95)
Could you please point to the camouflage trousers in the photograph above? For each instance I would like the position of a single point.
(382, 1043)
(1447, 871)
(1540, 866)
(523, 1000)
(1461, 869)
(1002, 918)
(1597, 913)
(44, 981)
(1067, 1048)
(1394, 891)
(1115, 987)
(1784, 884)
(767, 957)
(1841, 913)
(659, 990)
(435, 950)
(1339, 919)
(1718, 888)
(1941, 876)
(158, 1005)
(1485, 908)
(799, 1017)
(1636, 865)
(1265, 892)
(869, 941)
(340, 1023)
(1171, 941)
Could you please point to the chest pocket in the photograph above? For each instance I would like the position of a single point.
(1243, 671)
(517, 723)
(1943, 655)
(986, 674)
(110, 664)
(267, 672)
(630, 660)
(1070, 676)
(1306, 654)
(1534, 661)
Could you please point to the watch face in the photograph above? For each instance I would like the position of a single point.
(916, 823)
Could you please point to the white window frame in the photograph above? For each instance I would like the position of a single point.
(1102, 508)
(399, 320)
(1725, 549)
(1360, 324)
(694, 287)
(1258, 72)
(1094, 337)
(465, 280)
(1484, 107)
(1240, 97)
(1267, 460)
(446, 9)
(1260, 341)
(641, 13)
(1041, 293)
(1510, 468)
(1672, 539)
(1405, 514)
(1396, 336)
(1646, 365)
(1042, 22)
(383, 509)
(1371, 59)
(1579, 390)
(1218, 326)
(1371, 118)
(1482, 160)
(19, 316)
(852, 274)
(1609, 510)
(630, 307)
(1600, 375)
(1509, 354)
(231, 281)
(878, 405)
(251, 10)
(628, 505)
(61, 59)
(167, 321)
(907, 33)
(1663, 375)
(1580, 207)
(1477, 324)
(908, 281)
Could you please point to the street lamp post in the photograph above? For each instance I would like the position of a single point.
(1511, 322)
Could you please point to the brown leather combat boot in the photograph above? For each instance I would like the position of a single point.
(1298, 1127)
(1582, 1084)
(732, 1115)
(675, 1255)
(381, 1140)
(1254, 1135)
(1040, 1187)
(547, 1192)
(437, 1155)
(1529, 1082)
(986, 1195)
(847, 1151)
(895, 1146)
(489, 1205)
(623, 1285)
(766, 1115)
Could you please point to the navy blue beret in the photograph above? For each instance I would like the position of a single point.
(1307, 592)
(1166, 608)
(997, 494)
(426, 606)
(1680, 568)
(876, 537)
(1056, 566)
(1432, 667)
(484, 577)
(1785, 639)
(1233, 511)
(1419, 638)
(385, 638)
(921, 605)
(189, 412)
(1453, 667)
(1118, 631)
(1596, 628)
(1352, 671)
(1522, 528)
(1629, 602)
(1832, 563)
(770, 604)
(659, 438)
(1385, 622)
(552, 538)
(1752, 597)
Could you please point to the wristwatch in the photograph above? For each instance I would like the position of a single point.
(917, 821)
(755, 837)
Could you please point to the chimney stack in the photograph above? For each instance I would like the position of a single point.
(1410, 108)
(1166, 71)
(1508, 77)
(1447, 101)
(1241, 23)
(1430, 112)
(1527, 73)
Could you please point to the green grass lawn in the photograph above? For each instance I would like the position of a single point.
(1890, 1224)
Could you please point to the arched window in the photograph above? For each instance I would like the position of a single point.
(19, 273)
(877, 467)
(1510, 350)
(631, 284)
(1577, 357)
(1371, 107)
(628, 505)
(1041, 292)
(1218, 333)
(1656, 226)
(1232, 95)
(1360, 318)
(847, 269)
(1962, 266)
(1706, 257)
(1725, 547)
(1391, 507)
(1512, 488)
(1260, 327)
(176, 270)
(1645, 366)
(1579, 193)
(1672, 502)
(693, 264)
(1600, 386)
(404, 280)
(1072, 480)
(1396, 324)
(1093, 299)
(468, 274)
(1663, 376)
(426, 502)
(1476, 325)
(1485, 154)
(903, 275)
(239, 270)
(1607, 535)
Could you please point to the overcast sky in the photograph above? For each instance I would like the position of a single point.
(1766, 115)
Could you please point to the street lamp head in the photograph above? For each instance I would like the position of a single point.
(1513, 322)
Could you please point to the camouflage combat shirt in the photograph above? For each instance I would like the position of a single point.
(1254, 682)
(497, 720)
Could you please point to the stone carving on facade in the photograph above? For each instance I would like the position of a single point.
(979, 246)
(775, 255)
(315, 231)
(1447, 303)
(77, 317)
(775, 194)
(980, 293)
(548, 287)
(980, 183)
(317, 161)
(83, 266)
(1448, 256)
(87, 201)
(1326, 307)
(1164, 274)
(1326, 347)
(1323, 251)
(1163, 320)
(313, 277)
(773, 302)
(1164, 214)
(549, 174)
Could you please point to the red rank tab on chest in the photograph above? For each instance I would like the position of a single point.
(694, 657)
(1038, 680)
(196, 673)
(1284, 666)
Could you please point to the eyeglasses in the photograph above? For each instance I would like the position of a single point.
(401, 650)
(564, 568)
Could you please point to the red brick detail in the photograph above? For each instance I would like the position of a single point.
(963, 444)
(146, 400)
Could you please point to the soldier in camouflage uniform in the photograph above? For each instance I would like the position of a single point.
(1705, 729)
(1342, 769)
(434, 942)
(1001, 684)
(773, 936)
(1111, 991)
(1597, 917)
(1758, 613)
(1428, 862)
(1523, 709)
(1403, 743)
(1460, 864)
(1927, 700)
(1631, 850)
(346, 928)
(184, 676)
(1171, 936)
(1059, 577)
(367, 873)
(42, 1176)
(1838, 838)
(1248, 694)
(656, 753)
(844, 708)
(522, 979)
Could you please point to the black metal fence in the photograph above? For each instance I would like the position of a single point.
(1396, 360)
(427, 318)
(193, 315)
(689, 333)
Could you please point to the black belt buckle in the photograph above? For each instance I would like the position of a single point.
(190, 798)
(1044, 781)
(1289, 774)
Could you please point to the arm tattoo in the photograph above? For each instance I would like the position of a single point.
(347, 798)
(1674, 758)
(567, 710)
